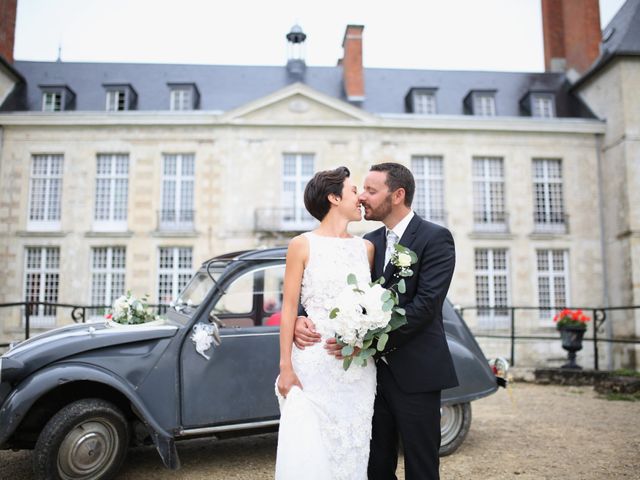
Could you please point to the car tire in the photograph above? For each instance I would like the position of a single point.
(86, 439)
(455, 421)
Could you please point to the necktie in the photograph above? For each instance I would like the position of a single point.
(392, 239)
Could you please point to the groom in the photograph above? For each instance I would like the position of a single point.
(416, 363)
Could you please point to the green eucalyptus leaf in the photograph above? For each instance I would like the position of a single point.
(400, 311)
(334, 313)
(382, 342)
(346, 363)
(388, 305)
(402, 286)
(351, 279)
(347, 350)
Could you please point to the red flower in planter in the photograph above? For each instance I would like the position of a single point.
(571, 318)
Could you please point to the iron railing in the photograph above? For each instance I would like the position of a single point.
(593, 334)
(82, 313)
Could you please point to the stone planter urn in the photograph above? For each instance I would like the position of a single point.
(572, 342)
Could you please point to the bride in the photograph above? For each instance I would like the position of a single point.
(325, 424)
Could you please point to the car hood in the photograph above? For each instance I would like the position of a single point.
(67, 341)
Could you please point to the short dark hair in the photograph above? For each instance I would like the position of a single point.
(398, 176)
(317, 191)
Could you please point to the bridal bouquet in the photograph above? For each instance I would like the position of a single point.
(365, 314)
(129, 310)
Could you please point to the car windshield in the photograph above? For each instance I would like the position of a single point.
(198, 287)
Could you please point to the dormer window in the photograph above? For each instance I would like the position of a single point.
(481, 103)
(542, 105)
(56, 98)
(421, 101)
(184, 96)
(538, 104)
(120, 98)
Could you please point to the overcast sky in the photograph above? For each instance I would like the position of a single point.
(424, 34)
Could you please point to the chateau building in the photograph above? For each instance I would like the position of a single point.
(118, 177)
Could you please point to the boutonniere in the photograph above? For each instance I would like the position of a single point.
(403, 259)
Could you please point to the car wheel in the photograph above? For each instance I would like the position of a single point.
(455, 421)
(85, 440)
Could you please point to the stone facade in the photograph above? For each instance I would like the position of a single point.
(612, 94)
(238, 171)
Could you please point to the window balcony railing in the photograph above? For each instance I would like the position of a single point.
(551, 223)
(491, 222)
(279, 219)
(176, 220)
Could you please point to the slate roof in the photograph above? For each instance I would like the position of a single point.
(621, 37)
(224, 87)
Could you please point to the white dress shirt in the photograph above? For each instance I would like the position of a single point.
(399, 229)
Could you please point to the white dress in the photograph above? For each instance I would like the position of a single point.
(325, 428)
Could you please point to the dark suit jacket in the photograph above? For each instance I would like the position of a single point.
(417, 353)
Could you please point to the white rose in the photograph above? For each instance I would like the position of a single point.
(120, 306)
(404, 260)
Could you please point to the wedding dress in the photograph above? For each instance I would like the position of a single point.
(325, 428)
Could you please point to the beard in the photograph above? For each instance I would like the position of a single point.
(380, 212)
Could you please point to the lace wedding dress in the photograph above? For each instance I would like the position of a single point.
(325, 428)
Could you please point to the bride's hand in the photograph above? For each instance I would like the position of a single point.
(334, 348)
(287, 380)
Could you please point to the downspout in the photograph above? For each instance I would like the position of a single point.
(608, 325)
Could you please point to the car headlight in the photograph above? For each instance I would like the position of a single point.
(9, 369)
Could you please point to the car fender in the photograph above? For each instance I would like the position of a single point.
(475, 378)
(27, 392)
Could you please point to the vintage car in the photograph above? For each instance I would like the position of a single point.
(80, 395)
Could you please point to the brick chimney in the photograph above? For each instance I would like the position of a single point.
(352, 70)
(7, 28)
(571, 30)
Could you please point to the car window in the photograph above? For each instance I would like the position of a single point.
(272, 295)
(198, 288)
(238, 297)
(253, 299)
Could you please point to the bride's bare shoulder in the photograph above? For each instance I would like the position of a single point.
(298, 247)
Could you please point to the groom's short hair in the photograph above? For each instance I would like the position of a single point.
(398, 176)
(317, 191)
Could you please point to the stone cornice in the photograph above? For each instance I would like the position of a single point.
(385, 121)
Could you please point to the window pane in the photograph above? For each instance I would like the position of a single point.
(42, 282)
(175, 270)
(553, 277)
(239, 297)
(429, 194)
(488, 193)
(112, 187)
(548, 194)
(108, 274)
(45, 188)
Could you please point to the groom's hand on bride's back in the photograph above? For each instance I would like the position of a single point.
(304, 334)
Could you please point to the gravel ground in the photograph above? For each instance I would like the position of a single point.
(526, 432)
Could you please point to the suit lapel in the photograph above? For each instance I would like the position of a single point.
(406, 241)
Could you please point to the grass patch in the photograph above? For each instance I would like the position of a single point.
(624, 397)
(626, 372)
